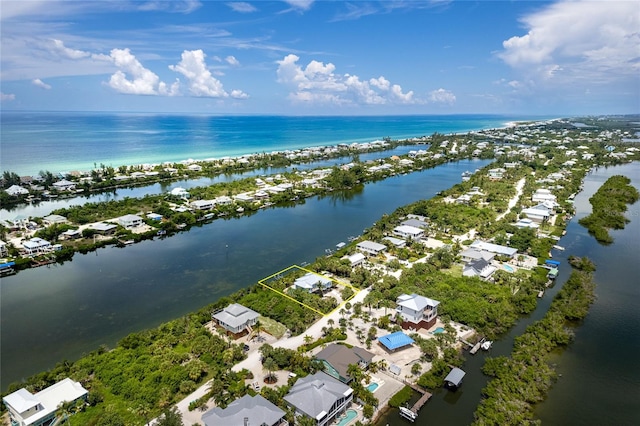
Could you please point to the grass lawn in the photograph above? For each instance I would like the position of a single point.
(272, 327)
(455, 270)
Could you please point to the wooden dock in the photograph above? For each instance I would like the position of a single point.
(423, 399)
(475, 348)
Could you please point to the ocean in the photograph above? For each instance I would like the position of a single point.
(61, 142)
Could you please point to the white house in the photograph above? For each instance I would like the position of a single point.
(54, 219)
(473, 254)
(236, 318)
(356, 259)
(36, 246)
(202, 204)
(371, 247)
(494, 248)
(179, 192)
(417, 311)
(312, 282)
(526, 223)
(15, 190)
(27, 409)
(130, 221)
(538, 214)
(64, 185)
(194, 167)
(542, 195)
(406, 231)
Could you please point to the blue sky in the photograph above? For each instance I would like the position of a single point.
(309, 57)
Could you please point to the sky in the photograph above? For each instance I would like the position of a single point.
(306, 57)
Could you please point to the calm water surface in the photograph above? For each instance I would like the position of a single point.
(51, 314)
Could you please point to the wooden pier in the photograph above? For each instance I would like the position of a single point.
(423, 399)
(476, 347)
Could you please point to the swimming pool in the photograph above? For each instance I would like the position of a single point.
(438, 330)
(372, 387)
(346, 418)
(507, 268)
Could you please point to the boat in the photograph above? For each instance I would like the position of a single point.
(408, 414)
(486, 345)
(541, 293)
(558, 247)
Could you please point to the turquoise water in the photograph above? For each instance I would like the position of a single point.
(348, 417)
(62, 142)
(438, 330)
(372, 387)
(507, 268)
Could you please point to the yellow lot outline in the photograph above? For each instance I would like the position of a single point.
(263, 284)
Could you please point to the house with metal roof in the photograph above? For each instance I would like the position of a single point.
(416, 311)
(104, 228)
(478, 268)
(472, 254)
(312, 282)
(454, 378)
(236, 318)
(27, 409)
(248, 410)
(337, 358)
(15, 190)
(416, 223)
(54, 219)
(36, 246)
(494, 248)
(410, 232)
(395, 341)
(130, 221)
(371, 247)
(356, 259)
(320, 397)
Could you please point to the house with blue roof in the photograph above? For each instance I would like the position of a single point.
(395, 341)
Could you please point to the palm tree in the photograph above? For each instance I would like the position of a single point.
(270, 365)
(307, 339)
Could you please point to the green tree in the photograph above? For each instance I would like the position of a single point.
(170, 417)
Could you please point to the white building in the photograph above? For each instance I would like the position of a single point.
(130, 221)
(312, 282)
(371, 247)
(15, 190)
(417, 311)
(406, 231)
(27, 409)
(36, 246)
(542, 195)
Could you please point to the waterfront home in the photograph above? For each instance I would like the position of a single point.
(27, 409)
(130, 221)
(473, 254)
(248, 410)
(154, 216)
(538, 214)
(312, 282)
(194, 167)
(478, 268)
(337, 358)
(16, 190)
(396, 242)
(319, 397)
(236, 318)
(542, 195)
(4, 251)
(496, 174)
(246, 197)
(104, 228)
(371, 247)
(494, 248)
(54, 219)
(395, 341)
(36, 246)
(202, 204)
(416, 311)
(408, 232)
(64, 185)
(526, 223)
(223, 200)
(179, 192)
(356, 259)
(416, 223)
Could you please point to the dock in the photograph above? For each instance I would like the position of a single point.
(476, 347)
(412, 413)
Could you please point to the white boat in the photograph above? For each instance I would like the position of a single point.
(558, 248)
(408, 414)
(486, 345)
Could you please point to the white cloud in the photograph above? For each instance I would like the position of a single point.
(594, 41)
(300, 4)
(442, 96)
(231, 60)
(239, 94)
(201, 81)
(241, 7)
(7, 97)
(60, 49)
(179, 6)
(319, 83)
(41, 84)
(141, 82)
